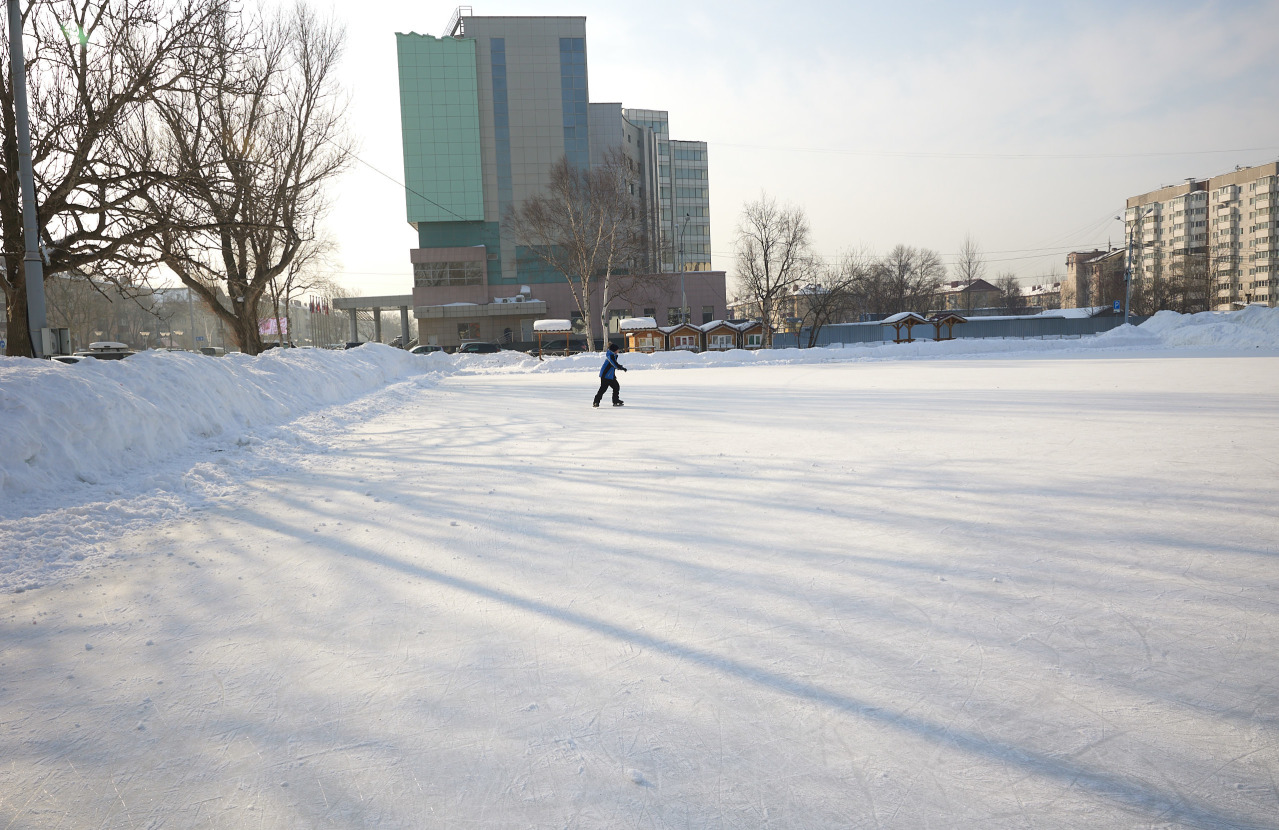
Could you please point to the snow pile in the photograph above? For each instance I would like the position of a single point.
(1255, 326)
(86, 422)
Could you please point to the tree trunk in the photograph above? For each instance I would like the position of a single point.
(18, 340)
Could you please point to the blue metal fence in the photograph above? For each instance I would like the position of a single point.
(976, 327)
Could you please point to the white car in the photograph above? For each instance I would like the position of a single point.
(425, 348)
(106, 350)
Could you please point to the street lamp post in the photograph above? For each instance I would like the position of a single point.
(679, 266)
(32, 262)
(1128, 263)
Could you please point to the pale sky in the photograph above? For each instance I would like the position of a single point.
(1025, 125)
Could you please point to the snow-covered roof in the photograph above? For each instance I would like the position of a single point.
(552, 325)
(633, 323)
(903, 316)
(714, 324)
(669, 329)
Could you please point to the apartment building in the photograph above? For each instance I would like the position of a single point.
(1206, 243)
(486, 111)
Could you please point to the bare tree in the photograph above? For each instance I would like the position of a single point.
(1009, 291)
(908, 278)
(836, 298)
(589, 228)
(773, 254)
(970, 267)
(91, 66)
(255, 133)
(307, 272)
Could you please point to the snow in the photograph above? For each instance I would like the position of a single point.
(901, 316)
(633, 323)
(991, 584)
(552, 325)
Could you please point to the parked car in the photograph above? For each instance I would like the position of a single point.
(477, 347)
(213, 351)
(354, 344)
(68, 358)
(106, 350)
(426, 348)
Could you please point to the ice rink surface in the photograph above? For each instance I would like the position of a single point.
(1034, 591)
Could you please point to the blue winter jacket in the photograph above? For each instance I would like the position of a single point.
(609, 370)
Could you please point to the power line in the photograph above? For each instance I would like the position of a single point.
(396, 181)
(987, 156)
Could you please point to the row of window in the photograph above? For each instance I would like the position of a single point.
(688, 154)
(431, 274)
(696, 211)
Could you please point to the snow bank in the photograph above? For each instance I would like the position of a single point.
(1255, 326)
(87, 422)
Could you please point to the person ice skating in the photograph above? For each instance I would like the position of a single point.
(608, 377)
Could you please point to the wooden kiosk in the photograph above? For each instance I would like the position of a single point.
(642, 335)
(544, 327)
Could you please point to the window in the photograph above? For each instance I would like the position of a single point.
(428, 274)
(674, 317)
(684, 341)
(708, 313)
(650, 312)
(754, 340)
(720, 341)
(468, 331)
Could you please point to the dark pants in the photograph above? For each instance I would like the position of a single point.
(605, 383)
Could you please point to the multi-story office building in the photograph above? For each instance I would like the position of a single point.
(683, 195)
(1207, 243)
(486, 112)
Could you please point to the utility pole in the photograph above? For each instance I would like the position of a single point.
(1141, 215)
(32, 261)
(684, 311)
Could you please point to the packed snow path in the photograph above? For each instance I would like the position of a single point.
(995, 593)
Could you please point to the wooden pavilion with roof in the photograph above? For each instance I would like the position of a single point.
(553, 327)
(947, 319)
(909, 319)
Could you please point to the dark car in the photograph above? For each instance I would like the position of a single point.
(476, 347)
(354, 344)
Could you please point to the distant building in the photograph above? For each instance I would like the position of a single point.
(486, 110)
(1045, 296)
(966, 296)
(1207, 243)
(1093, 278)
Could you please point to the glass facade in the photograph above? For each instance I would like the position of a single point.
(573, 95)
(484, 116)
(683, 193)
(501, 124)
(440, 122)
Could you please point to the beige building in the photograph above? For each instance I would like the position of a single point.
(961, 296)
(1093, 278)
(1206, 243)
